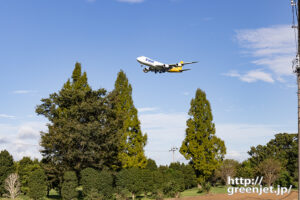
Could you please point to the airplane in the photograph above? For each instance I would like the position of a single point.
(155, 66)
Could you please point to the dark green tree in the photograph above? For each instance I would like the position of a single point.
(190, 179)
(173, 183)
(90, 179)
(245, 169)
(37, 184)
(201, 146)
(147, 181)
(69, 185)
(24, 168)
(283, 148)
(106, 184)
(82, 131)
(6, 168)
(130, 180)
(151, 165)
(133, 141)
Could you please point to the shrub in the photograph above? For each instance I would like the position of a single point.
(94, 195)
(106, 184)
(90, 179)
(69, 186)
(206, 187)
(130, 179)
(37, 184)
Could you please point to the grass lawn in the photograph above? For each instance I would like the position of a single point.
(194, 191)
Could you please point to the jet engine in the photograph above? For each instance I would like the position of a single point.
(146, 70)
(180, 64)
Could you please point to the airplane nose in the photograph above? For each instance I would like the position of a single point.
(138, 58)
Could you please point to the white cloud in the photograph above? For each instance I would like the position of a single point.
(23, 91)
(147, 109)
(131, 1)
(7, 116)
(21, 140)
(168, 129)
(272, 49)
(30, 130)
(252, 76)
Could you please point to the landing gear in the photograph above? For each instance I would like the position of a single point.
(145, 70)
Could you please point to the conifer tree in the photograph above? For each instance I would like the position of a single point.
(201, 146)
(82, 131)
(131, 149)
(6, 168)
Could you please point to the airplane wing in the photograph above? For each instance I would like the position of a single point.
(184, 70)
(186, 63)
(182, 63)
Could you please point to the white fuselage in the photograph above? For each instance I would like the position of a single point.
(149, 62)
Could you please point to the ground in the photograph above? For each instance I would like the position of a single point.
(292, 196)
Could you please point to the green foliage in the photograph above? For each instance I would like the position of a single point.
(190, 179)
(173, 183)
(245, 170)
(90, 179)
(25, 167)
(206, 187)
(284, 179)
(83, 130)
(151, 165)
(6, 168)
(147, 181)
(69, 186)
(93, 194)
(106, 184)
(37, 184)
(131, 149)
(283, 148)
(201, 146)
(130, 180)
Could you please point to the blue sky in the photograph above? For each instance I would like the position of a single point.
(244, 49)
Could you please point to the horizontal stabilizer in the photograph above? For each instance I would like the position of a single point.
(184, 70)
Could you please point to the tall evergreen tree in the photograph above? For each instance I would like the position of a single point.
(131, 150)
(82, 131)
(201, 146)
(6, 168)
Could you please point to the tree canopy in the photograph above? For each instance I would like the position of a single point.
(133, 141)
(82, 131)
(201, 146)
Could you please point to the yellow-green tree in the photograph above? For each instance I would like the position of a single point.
(131, 149)
(201, 146)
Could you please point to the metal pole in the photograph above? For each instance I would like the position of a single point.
(298, 94)
(173, 149)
